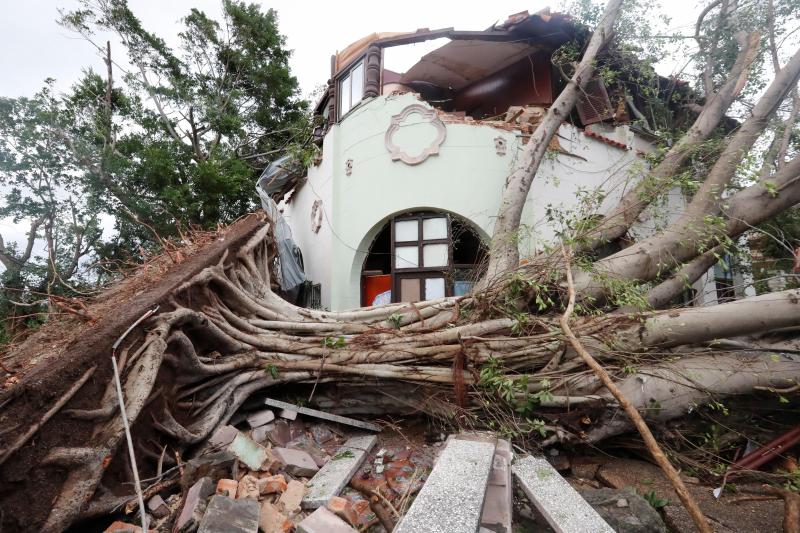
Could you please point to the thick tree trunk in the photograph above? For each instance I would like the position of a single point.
(504, 253)
(617, 222)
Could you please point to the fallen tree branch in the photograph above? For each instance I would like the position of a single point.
(655, 450)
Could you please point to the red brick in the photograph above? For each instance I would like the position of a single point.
(272, 484)
(343, 509)
(227, 487)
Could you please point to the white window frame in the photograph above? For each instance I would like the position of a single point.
(346, 101)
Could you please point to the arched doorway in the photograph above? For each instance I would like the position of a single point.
(422, 256)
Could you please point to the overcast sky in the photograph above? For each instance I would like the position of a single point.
(34, 47)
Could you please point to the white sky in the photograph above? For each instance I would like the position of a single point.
(34, 47)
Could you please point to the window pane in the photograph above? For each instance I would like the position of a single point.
(434, 288)
(462, 288)
(406, 230)
(434, 228)
(406, 257)
(357, 84)
(434, 255)
(344, 96)
(409, 290)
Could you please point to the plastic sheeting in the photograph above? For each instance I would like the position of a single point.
(290, 259)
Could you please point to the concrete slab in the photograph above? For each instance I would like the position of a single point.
(561, 505)
(260, 418)
(324, 521)
(336, 473)
(322, 414)
(498, 504)
(226, 515)
(452, 498)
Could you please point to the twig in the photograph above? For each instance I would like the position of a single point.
(47, 416)
(124, 415)
(387, 502)
(655, 450)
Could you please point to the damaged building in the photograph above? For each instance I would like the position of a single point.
(401, 203)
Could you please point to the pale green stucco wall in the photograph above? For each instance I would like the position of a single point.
(466, 178)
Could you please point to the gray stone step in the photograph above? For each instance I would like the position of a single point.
(321, 414)
(561, 505)
(499, 500)
(452, 498)
(336, 473)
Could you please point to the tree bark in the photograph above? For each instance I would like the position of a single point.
(504, 253)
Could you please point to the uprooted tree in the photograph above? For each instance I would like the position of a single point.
(559, 343)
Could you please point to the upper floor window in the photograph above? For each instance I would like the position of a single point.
(351, 88)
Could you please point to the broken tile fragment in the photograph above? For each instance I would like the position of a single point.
(260, 418)
(157, 506)
(262, 433)
(324, 521)
(343, 509)
(296, 462)
(214, 465)
(288, 414)
(227, 487)
(226, 515)
(194, 505)
(252, 454)
(292, 497)
(223, 436)
(272, 520)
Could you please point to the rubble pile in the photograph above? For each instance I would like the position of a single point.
(279, 471)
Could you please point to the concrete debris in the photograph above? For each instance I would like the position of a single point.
(288, 414)
(452, 497)
(563, 508)
(225, 515)
(260, 418)
(333, 477)
(262, 433)
(223, 436)
(296, 462)
(323, 415)
(194, 506)
(324, 521)
(157, 506)
(214, 465)
(498, 503)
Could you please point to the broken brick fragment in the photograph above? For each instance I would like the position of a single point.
(272, 520)
(248, 487)
(272, 484)
(324, 521)
(292, 496)
(343, 509)
(227, 487)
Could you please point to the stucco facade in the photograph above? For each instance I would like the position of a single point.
(360, 187)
